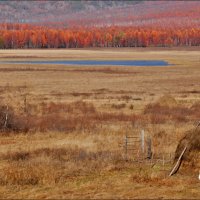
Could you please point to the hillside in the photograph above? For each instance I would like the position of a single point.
(101, 13)
(37, 11)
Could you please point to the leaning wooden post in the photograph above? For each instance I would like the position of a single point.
(178, 163)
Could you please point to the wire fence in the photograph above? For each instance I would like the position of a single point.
(138, 148)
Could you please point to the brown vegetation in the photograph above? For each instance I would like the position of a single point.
(53, 166)
(160, 113)
(65, 129)
(60, 117)
(9, 121)
(81, 115)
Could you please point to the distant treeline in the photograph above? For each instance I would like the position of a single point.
(27, 36)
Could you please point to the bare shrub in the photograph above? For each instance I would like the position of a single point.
(77, 94)
(131, 107)
(57, 122)
(161, 114)
(85, 108)
(126, 97)
(74, 107)
(10, 121)
(137, 99)
(77, 115)
(118, 106)
(116, 117)
(157, 119)
(17, 156)
(61, 117)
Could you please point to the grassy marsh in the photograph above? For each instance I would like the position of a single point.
(78, 116)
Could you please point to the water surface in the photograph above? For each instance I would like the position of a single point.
(141, 63)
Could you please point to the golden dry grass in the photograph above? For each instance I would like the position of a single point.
(96, 107)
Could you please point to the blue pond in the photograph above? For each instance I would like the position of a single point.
(141, 63)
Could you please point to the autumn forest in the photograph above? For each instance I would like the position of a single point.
(83, 24)
(29, 36)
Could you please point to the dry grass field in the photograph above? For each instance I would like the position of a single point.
(65, 124)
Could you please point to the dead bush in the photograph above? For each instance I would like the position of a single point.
(126, 97)
(161, 114)
(17, 156)
(118, 106)
(116, 117)
(72, 108)
(77, 94)
(157, 119)
(10, 121)
(58, 122)
(131, 107)
(61, 117)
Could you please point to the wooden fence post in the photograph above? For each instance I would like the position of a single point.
(126, 148)
(6, 117)
(149, 152)
(25, 104)
(163, 160)
(142, 141)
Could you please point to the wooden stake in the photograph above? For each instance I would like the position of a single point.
(178, 163)
(149, 152)
(163, 161)
(6, 118)
(126, 147)
(142, 141)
